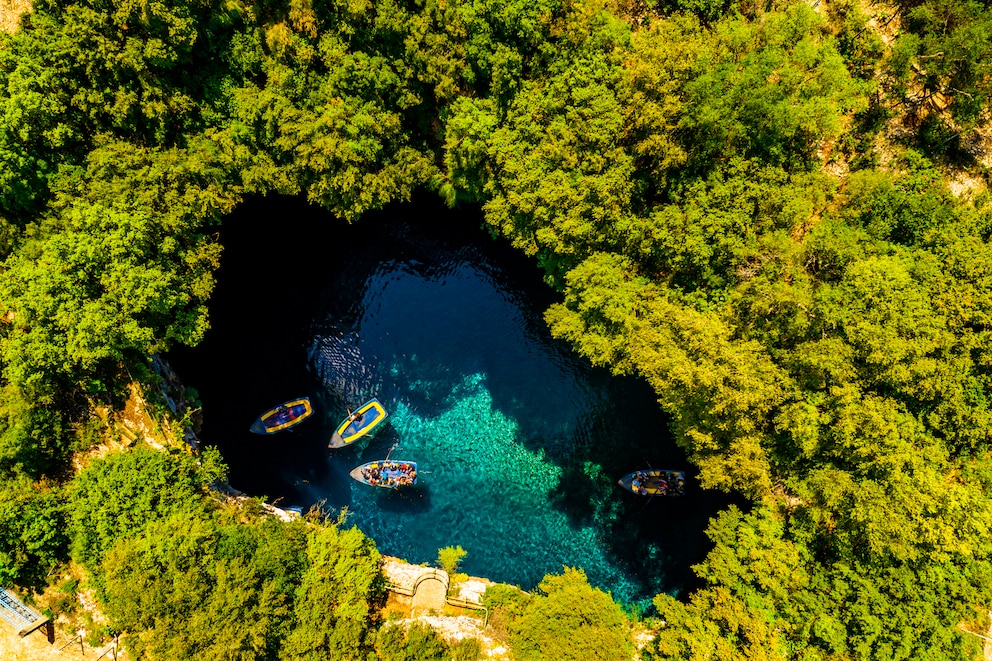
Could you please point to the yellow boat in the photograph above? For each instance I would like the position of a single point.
(367, 417)
(282, 417)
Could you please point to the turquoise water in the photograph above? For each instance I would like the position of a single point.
(519, 441)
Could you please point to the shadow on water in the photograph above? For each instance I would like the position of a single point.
(415, 499)
(519, 441)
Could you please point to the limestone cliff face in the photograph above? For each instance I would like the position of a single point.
(162, 414)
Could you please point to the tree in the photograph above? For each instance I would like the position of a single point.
(555, 179)
(569, 619)
(33, 541)
(110, 284)
(942, 60)
(769, 89)
(414, 643)
(722, 388)
(115, 497)
(74, 71)
(337, 598)
(188, 585)
(34, 436)
(450, 557)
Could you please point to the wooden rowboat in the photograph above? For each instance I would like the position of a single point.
(654, 482)
(368, 416)
(282, 417)
(386, 473)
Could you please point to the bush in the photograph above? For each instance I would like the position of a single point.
(32, 533)
(569, 619)
(417, 643)
(450, 557)
(118, 496)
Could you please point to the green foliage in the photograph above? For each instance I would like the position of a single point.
(123, 267)
(115, 497)
(33, 540)
(942, 60)
(499, 595)
(77, 70)
(555, 179)
(187, 586)
(902, 208)
(753, 575)
(337, 598)
(766, 594)
(770, 89)
(33, 433)
(861, 47)
(505, 604)
(663, 60)
(719, 229)
(690, 357)
(467, 649)
(103, 287)
(418, 642)
(450, 557)
(230, 586)
(821, 342)
(569, 619)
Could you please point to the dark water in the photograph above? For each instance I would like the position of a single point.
(519, 441)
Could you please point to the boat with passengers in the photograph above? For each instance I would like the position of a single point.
(282, 417)
(653, 482)
(386, 473)
(359, 423)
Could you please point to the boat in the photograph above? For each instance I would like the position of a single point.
(386, 473)
(359, 423)
(654, 482)
(282, 417)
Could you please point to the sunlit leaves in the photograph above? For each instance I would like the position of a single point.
(116, 497)
(719, 389)
(104, 285)
(771, 89)
(336, 595)
(567, 619)
(33, 540)
(942, 60)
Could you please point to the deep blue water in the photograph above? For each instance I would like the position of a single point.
(519, 441)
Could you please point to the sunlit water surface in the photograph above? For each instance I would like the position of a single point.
(519, 441)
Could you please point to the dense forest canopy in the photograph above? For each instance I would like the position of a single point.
(745, 204)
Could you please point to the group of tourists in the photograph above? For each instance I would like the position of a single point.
(390, 474)
(657, 483)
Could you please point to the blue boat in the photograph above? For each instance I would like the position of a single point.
(359, 423)
(386, 473)
(282, 417)
(654, 482)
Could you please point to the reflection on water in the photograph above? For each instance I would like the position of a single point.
(519, 441)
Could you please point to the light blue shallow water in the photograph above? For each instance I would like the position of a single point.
(518, 440)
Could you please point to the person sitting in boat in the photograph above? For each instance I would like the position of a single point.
(372, 475)
(356, 418)
(283, 414)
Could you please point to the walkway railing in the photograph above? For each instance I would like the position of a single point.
(20, 616)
